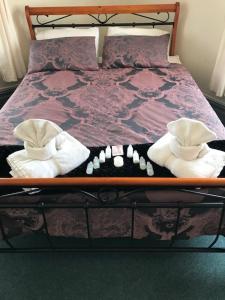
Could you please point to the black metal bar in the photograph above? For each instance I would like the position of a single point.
(118, 205)
(173, 239)
(73, 25)
(88, 194)
(114, 249)
(4, 236)
(219, 227)
(87, 223)
(48, 237)
(21, 193)
(202, 194)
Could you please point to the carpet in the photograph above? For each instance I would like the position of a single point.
(106, 276)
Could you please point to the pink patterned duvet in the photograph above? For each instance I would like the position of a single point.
(109, 106)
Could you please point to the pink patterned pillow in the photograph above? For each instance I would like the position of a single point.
(70, 53)
(135, 51)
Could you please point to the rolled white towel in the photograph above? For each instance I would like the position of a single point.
(187, 152)
(49, 151)
(39, 137)
(189, 138)
(188, 156)
(70, 154)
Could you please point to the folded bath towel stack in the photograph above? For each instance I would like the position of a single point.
(183, 150)
(49, 151)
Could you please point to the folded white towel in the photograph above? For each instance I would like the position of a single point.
(39, 137)
(189, 138)
(64, 153)
(183, 150)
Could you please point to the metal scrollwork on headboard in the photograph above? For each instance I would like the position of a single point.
(49, 22)
(105, 22)
(107, 18)
(154, 19)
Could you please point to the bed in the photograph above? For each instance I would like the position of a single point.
(110, 107)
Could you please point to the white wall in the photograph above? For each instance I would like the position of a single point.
(200, 29)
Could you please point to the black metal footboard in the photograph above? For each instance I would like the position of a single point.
(95, 200)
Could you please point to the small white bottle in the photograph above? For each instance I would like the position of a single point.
(130, 151)
(135, 157)
(142, 163)
(150, 171)
(96, 163)
(89, 169)
(108, 152)
(102, 157)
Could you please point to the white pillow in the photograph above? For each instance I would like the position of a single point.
(44, 34)
(117, 31)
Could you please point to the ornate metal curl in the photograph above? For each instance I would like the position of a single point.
(154, 19)
(48, 22)
(98, 19)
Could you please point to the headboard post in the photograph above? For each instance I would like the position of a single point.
(29, 21)
(174, 31)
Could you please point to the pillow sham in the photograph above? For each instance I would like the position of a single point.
(44, 34)
(135, 51)
(70, 53)
(118, 31)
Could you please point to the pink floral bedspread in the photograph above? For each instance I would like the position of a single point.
(109, 106)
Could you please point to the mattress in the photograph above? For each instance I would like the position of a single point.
(116, 106)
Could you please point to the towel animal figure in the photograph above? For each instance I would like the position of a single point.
(49, 151)
(184, 150)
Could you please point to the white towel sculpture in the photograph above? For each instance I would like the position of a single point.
(49, 151)
(183, 150)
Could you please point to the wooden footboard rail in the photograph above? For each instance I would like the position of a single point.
(14, 187)
(113, 181)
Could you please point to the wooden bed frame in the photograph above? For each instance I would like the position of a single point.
(113, 10)
(182, 184)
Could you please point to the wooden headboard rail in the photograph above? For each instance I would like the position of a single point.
(112, 9)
